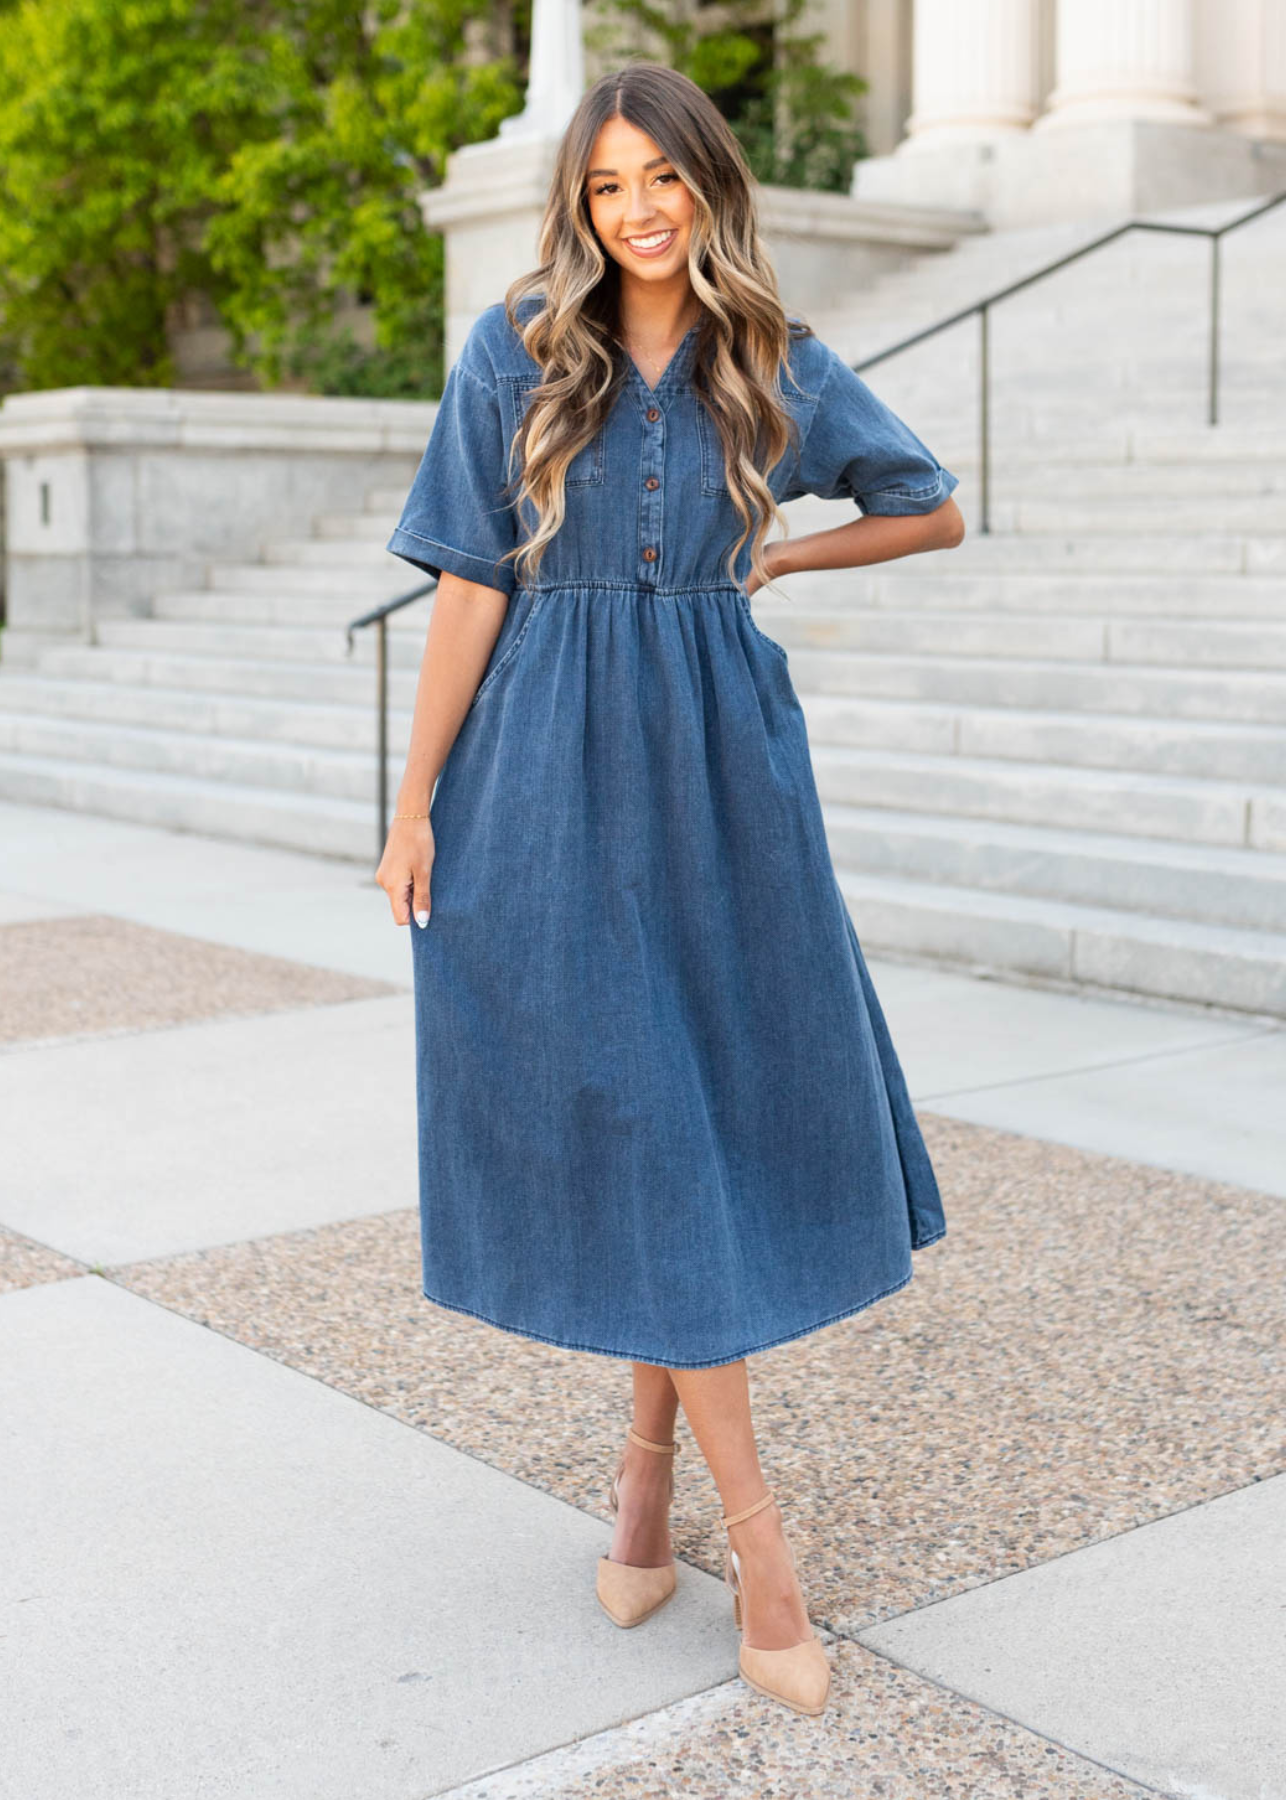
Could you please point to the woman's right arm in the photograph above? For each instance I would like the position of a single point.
(463, 627)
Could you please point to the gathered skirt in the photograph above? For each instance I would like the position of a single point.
(660, 1115)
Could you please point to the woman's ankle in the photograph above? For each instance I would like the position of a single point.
(656, 1433)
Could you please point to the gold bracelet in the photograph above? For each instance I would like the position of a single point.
(410, 815)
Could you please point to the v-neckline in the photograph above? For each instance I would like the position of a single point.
(679, 351)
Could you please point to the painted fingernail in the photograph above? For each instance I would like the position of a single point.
(421, 918)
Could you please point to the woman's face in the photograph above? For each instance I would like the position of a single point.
(638, 205)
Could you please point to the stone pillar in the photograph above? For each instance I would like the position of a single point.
(1125, 59)
(490, 206)
(1129, 128)
(1241, 65)
(555, 74)
(975, 71)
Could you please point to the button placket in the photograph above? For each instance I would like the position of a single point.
(650, 507)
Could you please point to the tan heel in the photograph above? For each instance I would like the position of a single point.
(627, 1592)
(800, 1675)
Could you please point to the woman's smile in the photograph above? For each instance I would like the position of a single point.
(655, 243)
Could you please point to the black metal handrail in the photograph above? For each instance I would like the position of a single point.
(1216, 233)
(379, 616)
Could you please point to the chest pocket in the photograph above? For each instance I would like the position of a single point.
(714, 474)
(587, 468)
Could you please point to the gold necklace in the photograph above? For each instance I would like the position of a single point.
(659, 367)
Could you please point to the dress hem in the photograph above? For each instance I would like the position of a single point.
(663, 1362)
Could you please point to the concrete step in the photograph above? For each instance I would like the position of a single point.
(331, 548)
(330, 612)
(298, 821)
(285, 643)
(1261, 515)
(862, 628)
(1046, 636)
(375, 578)
(900, 587)
(1190, 553)
(373, 526)
(1116, 443)
(1241, 888)
(1057, 944)
(946, 417)
(271, 719)
(1227, 478)
(1128, 802)
(1227, 694)
(383, 500)
(247, 762)
(1196, 749)
(343, 684)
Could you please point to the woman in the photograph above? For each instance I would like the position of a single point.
(660, 1117)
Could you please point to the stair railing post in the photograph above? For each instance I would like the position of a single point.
(1215, 238)
(381, 730)
(984, 410)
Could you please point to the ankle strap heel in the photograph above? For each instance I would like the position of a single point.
(736, 1518)
(647, 1444)
(799, 1676)
(630, 1594)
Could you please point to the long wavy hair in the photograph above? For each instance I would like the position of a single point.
(742, 336)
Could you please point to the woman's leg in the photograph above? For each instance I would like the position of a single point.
(642, 1534)
(716, 1403)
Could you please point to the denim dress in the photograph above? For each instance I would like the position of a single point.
(660, 1116)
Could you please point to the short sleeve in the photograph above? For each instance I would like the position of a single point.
(457, 517)
(856, 447)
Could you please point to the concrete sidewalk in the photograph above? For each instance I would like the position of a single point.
(280, 1529)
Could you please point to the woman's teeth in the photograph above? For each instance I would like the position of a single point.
(652, 242)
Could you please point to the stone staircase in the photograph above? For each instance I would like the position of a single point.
(1057, 753)
(235, 709)
(1064, 759)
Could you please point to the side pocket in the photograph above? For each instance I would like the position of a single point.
(506, 660)
(743, 600)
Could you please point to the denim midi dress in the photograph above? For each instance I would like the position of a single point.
(660, 1116)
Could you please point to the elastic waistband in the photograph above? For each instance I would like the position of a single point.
(631, 587)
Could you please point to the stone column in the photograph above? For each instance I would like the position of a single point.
(1125, 59)
(1241, 65)
(489, 207)
(555, 73)
(975, 71)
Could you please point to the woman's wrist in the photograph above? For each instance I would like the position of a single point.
(777, 557)
(413, 802)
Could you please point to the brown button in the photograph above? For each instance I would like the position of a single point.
(649, 555)
(653, 412)
(652, 482)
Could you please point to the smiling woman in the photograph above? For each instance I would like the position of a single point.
(661, 1117)
(642, 212)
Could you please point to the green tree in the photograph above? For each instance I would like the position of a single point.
(266, 154)
(793, 116)
(327, 207)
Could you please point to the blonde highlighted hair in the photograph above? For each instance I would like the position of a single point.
(742, 337)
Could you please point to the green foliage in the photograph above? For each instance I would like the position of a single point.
(114, 120)
(792, 116)
(326, 208)
(266, 154)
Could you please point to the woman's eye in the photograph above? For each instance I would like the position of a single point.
(603, 187)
